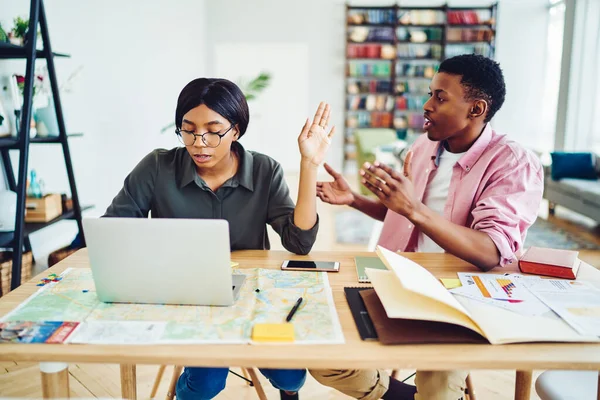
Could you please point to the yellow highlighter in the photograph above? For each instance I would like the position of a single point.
(278, 333)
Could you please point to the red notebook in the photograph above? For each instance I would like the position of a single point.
(551, 262)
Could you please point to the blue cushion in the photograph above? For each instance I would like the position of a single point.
(573, 165)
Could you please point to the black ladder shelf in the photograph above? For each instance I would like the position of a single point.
(19, 239)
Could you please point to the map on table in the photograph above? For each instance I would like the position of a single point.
(74, 299)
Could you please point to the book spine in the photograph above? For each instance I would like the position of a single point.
(539, 269)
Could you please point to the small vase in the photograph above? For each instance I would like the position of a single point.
(17, 41)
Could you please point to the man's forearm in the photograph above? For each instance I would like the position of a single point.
(372, 207)
(466, 243)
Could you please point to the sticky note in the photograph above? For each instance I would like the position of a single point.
(234, 264)
(273, 332)
(450, 283)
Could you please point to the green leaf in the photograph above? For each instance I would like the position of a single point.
(167, 127)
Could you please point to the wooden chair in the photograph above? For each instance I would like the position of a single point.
(249, 374)
(469, 393)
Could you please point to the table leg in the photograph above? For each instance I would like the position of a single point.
(128, 382)
(55, 380)
(523, 385)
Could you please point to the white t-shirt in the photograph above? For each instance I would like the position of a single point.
(436, 195)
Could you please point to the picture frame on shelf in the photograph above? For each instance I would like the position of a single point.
(5, 121)
(16, 96)
(7, 127)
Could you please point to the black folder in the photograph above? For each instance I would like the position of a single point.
(363, 322)
(373, 323)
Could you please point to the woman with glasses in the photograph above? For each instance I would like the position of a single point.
(213, 176)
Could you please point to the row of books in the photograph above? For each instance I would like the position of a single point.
(420, 50)
(417, 68)
(412, 86)
(412, 121)
(357, 17)
(423, 51)
(369, 120)
(405, 69)
(378, 120)
(419, 35)
(411, 102)
(384, 87)
(470, 17)
(375, 50)
(378, 68)
(386, 102)
(420, 17)
(404, 123)
(369, 86)
(470, 34)
(484, 49)
(371, 102)
(363, 34)
(359, 34)
(389, 52)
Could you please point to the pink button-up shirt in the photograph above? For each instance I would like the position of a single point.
(496, 188)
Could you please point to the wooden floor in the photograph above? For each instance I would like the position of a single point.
(102, 380)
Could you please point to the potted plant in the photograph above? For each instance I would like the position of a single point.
(18, 33)
(3, 35)
(252, 88)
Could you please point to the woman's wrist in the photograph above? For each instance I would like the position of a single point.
(306, 163)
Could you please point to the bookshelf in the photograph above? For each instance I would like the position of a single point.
(18, 240)
(393, 52)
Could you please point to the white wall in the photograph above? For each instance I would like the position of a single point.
(136, 55)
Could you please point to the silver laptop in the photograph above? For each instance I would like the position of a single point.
(161, 261)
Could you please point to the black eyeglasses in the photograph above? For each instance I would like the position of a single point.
(210, 139)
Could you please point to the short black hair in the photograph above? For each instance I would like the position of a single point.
(220, 95)
(481, 77)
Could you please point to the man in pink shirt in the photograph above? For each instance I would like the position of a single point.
(465, 190)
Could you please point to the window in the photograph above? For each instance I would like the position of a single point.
(554, 48)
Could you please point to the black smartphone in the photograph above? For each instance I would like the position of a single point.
(301, 265)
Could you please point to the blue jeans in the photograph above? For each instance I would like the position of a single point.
(205, 383)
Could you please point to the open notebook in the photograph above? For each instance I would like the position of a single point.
(409, 291)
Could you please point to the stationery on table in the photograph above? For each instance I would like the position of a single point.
(551, 262)
(273, 333)
(293, 310)
(283, 332)
(578, 303)
(450, 283)
(364, 324)
(506, 291)
(363, 263)
(265, 294)
(36, 332)
(409, 292)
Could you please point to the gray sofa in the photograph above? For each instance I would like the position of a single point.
(579, 195)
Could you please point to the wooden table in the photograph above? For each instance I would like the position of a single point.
(355, 353)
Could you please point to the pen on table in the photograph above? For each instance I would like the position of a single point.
(293, 311)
